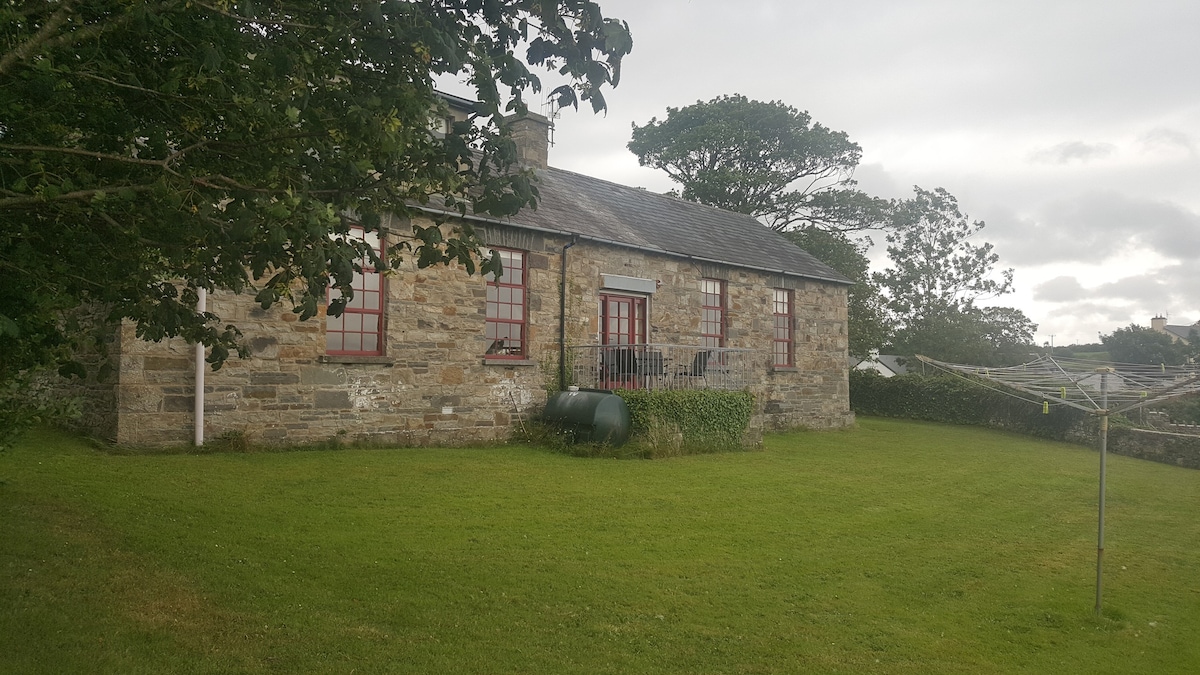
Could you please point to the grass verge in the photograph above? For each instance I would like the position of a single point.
(895, 547)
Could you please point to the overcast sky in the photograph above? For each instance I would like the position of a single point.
(1071, 128)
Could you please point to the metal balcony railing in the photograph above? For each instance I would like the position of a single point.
(658, 366)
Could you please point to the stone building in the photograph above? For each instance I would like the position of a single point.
(437, 356)
(1178, 333)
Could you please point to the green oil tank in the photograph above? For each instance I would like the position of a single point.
(596, 416)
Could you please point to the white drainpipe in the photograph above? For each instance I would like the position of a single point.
(201, 307)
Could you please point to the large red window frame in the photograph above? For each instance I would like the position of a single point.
(783, 344)
(622, 320)
(712, 313)
(359, 330)
(505, 327)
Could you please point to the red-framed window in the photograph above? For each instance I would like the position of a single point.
(712, 316)
(783, 345)
(359, 329)
(622, 320)
(505, 327)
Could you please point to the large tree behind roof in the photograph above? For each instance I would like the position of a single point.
(766, 159)
(152, 147)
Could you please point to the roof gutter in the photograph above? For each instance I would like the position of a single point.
(611, 242)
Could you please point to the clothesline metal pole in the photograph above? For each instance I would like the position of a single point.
(1104, 372)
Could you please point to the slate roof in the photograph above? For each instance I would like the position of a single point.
(1182, 332)
(575, 204)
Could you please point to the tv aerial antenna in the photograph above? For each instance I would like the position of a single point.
(552, 107)
(1096, 388)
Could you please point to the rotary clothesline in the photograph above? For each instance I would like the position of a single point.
(1100, 389)
(1078, 383)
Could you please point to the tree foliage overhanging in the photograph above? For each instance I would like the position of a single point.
(149, 148)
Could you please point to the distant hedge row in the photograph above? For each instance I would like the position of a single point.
(955, 400)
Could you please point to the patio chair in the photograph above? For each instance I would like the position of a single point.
(699, 367)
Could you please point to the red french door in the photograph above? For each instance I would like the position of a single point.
(622, 324)
(623, 320)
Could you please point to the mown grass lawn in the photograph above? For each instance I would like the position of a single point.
(895, 547)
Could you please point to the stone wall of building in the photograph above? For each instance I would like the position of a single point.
(435, 386)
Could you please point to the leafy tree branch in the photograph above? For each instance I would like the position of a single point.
(149, 149)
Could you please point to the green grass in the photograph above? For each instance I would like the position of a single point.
(895, 547)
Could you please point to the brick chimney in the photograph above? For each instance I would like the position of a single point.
(1159, 323)
(531, 132)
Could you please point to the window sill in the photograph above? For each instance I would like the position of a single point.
(784, 369)
(356, 359)
(508, 362)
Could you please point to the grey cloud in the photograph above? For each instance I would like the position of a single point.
(1144, 289)
(1069, 151)
(1094, 227)
(1059, 289)
(875, 180)
(1125, 299)
(1061, 235)
(1182, 296)
(1169, 139)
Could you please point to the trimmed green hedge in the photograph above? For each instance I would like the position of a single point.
(695, 420)
(955, 400)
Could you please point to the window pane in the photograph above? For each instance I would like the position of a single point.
(504, 309)
(362, 313)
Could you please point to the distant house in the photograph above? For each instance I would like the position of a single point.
(657, 293)
(887, 365)
(1178, 333)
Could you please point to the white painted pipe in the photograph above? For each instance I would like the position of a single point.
(201, 307)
